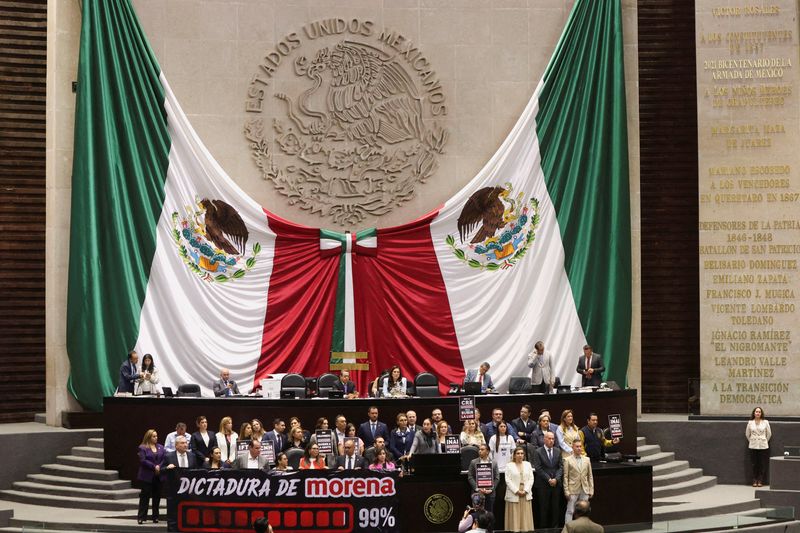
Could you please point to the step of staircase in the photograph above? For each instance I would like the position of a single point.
(82, 462)
(68, 502)
(63, 481)
(96, 442)
(80, 472)
(696, 510)
(677, 477)
(684, 487)
(648, 449)
(641, 441)
(659, 458)
(123, 524)
(88, 451)
(669, 468)
(77, 492)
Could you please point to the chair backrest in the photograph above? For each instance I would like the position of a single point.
(519, 385)
(468, 453)
(426, 385)
(294, 455)
(295, 383)
(325, 384)
(191, 390)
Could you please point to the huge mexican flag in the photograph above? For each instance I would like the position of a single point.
(169, 256)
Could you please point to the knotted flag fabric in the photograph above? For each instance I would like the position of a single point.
(168, 255)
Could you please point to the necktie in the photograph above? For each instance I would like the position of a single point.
(373, 430)
(182, 460)
(349, 463)
(550, 454)
(227, 389)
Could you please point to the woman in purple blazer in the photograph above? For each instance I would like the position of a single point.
(151, 457)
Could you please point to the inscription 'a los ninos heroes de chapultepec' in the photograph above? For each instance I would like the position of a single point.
(363, 129)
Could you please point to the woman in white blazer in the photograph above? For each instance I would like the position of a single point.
(758, 434)
(519, 493)
(227, 440)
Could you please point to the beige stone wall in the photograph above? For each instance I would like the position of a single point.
(488, 56)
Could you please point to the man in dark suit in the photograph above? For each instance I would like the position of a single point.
(350, 460)
(524, 425)
(548, 484)
(590, 366)
(372, 452)
(179, 459)
(488, 493)
(344, 384)
(129, 373)
(278, 435)
(225, 386)
(582, 522)
(372, 428)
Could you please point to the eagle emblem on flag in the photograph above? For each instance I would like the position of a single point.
(495, 228)
(211, 238)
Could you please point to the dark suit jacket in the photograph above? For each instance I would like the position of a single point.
(597, 364)
(365, 432)
(127, 379)
(547, 470)
(398, 445)
(279, 447)
(172, 459)
(220, 389)
(346, 388)
(523, 427)
(471, 473)
(359, 461)
(199, 447)
(583, 525)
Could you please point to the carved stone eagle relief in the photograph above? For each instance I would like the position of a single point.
(354, 142)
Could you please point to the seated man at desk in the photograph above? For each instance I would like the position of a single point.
(225, 386)
(344, 384)
(480, 375)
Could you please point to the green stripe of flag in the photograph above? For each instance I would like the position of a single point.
(119, 169)
(581, 126)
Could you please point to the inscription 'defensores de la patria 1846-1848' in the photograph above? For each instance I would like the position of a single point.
(348, 119)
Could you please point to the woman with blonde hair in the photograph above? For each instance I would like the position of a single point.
(258, 429)
(226, 440)
(151, 456)
(567, 432)
(519, 493)
(471, 435)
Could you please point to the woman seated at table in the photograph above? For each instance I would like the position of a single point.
(395, 385)
(425, 440)
(381, 463)
(471, 435)
(311, 459)
(282, 464)
(214, 460)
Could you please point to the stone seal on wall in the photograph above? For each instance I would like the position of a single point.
(360, 131)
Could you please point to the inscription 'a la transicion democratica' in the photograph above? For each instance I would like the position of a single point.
(347, 119)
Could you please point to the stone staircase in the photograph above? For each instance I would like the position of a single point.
(676, 486)
(76, 481)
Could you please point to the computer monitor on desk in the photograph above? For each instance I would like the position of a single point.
(472, 388)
